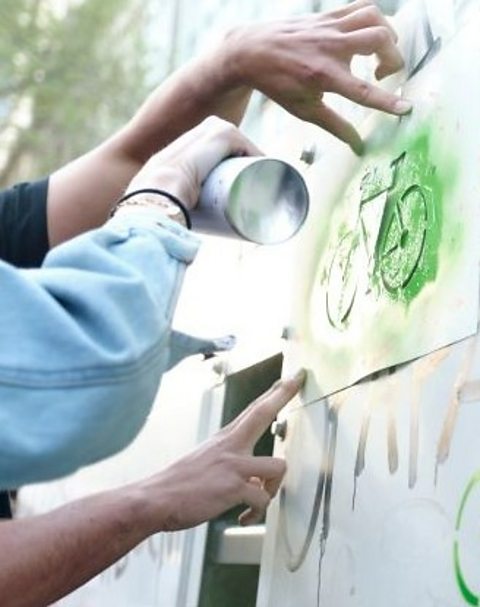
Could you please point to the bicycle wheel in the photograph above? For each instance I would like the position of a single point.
(404, 239)
(343, 280)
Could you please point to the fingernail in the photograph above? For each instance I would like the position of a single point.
(403, 106)
(358, 147)
(300, 376)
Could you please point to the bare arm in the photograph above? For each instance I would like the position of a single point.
(293, 62)
(48, 556)
(82, 193)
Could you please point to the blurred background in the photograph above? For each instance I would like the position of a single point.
(72, 71)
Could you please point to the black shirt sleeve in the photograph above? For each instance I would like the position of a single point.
(5, 509)
(23, 242)
(23, 224)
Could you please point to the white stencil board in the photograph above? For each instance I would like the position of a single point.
(387, 268)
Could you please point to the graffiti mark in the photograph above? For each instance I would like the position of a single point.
(470, 392)
(295, 560)
(323, 493)
(362, 445)
(392, 443)
(422, 369)
(319, 571)
(414, 440)
(459, 392)
(391, 430)
(468, 594)
(333, 419)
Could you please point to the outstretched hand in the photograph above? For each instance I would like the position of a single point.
(222, 472)
(294, 62)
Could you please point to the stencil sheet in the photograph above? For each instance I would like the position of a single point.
(388, 266)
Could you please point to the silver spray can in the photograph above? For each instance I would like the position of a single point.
(260, 199)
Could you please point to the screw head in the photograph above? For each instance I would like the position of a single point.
(279, 429)
(308, 154)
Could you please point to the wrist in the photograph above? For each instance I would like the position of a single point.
(225, 67)
(234, 56)
(154, 199)
(158, 507)
(241, 56)
(128, 513)
(168, 178)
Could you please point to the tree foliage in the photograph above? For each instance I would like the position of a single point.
(71, 72)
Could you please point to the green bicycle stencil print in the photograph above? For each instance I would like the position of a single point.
(396, 236)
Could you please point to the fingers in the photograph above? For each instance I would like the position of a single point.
(350, 8)
(369, 95)
(215, 140)
(255, 513)
(332, 122)
(261, 476)
(257, 417)
(376, 39)
(374, 34)
(364, 17)
(218, 140)
(270, 470)
(258, 499)
(183, 165)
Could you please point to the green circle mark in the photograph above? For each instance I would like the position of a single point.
(470, 597)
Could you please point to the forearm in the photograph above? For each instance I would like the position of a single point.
(82, 193)
(208, 86)
(48, 556)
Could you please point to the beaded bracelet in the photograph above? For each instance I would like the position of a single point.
(163, 193)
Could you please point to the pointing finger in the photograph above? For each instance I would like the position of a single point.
(367, 94)
(335, 124)
(258, 416)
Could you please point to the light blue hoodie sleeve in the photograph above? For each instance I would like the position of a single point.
(85, 340)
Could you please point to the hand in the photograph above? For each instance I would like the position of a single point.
(222, 472)
(182, 166)
(295, 62)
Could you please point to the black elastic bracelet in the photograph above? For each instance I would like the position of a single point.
(164, 193)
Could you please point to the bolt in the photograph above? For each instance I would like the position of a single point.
(279, 429)
(308, 154)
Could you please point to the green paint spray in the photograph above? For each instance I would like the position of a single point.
(467, 593)
(407, 249)
(404, 255)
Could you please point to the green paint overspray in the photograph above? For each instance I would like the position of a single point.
(407, 249)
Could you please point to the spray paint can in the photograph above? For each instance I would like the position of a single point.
(260, 199)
